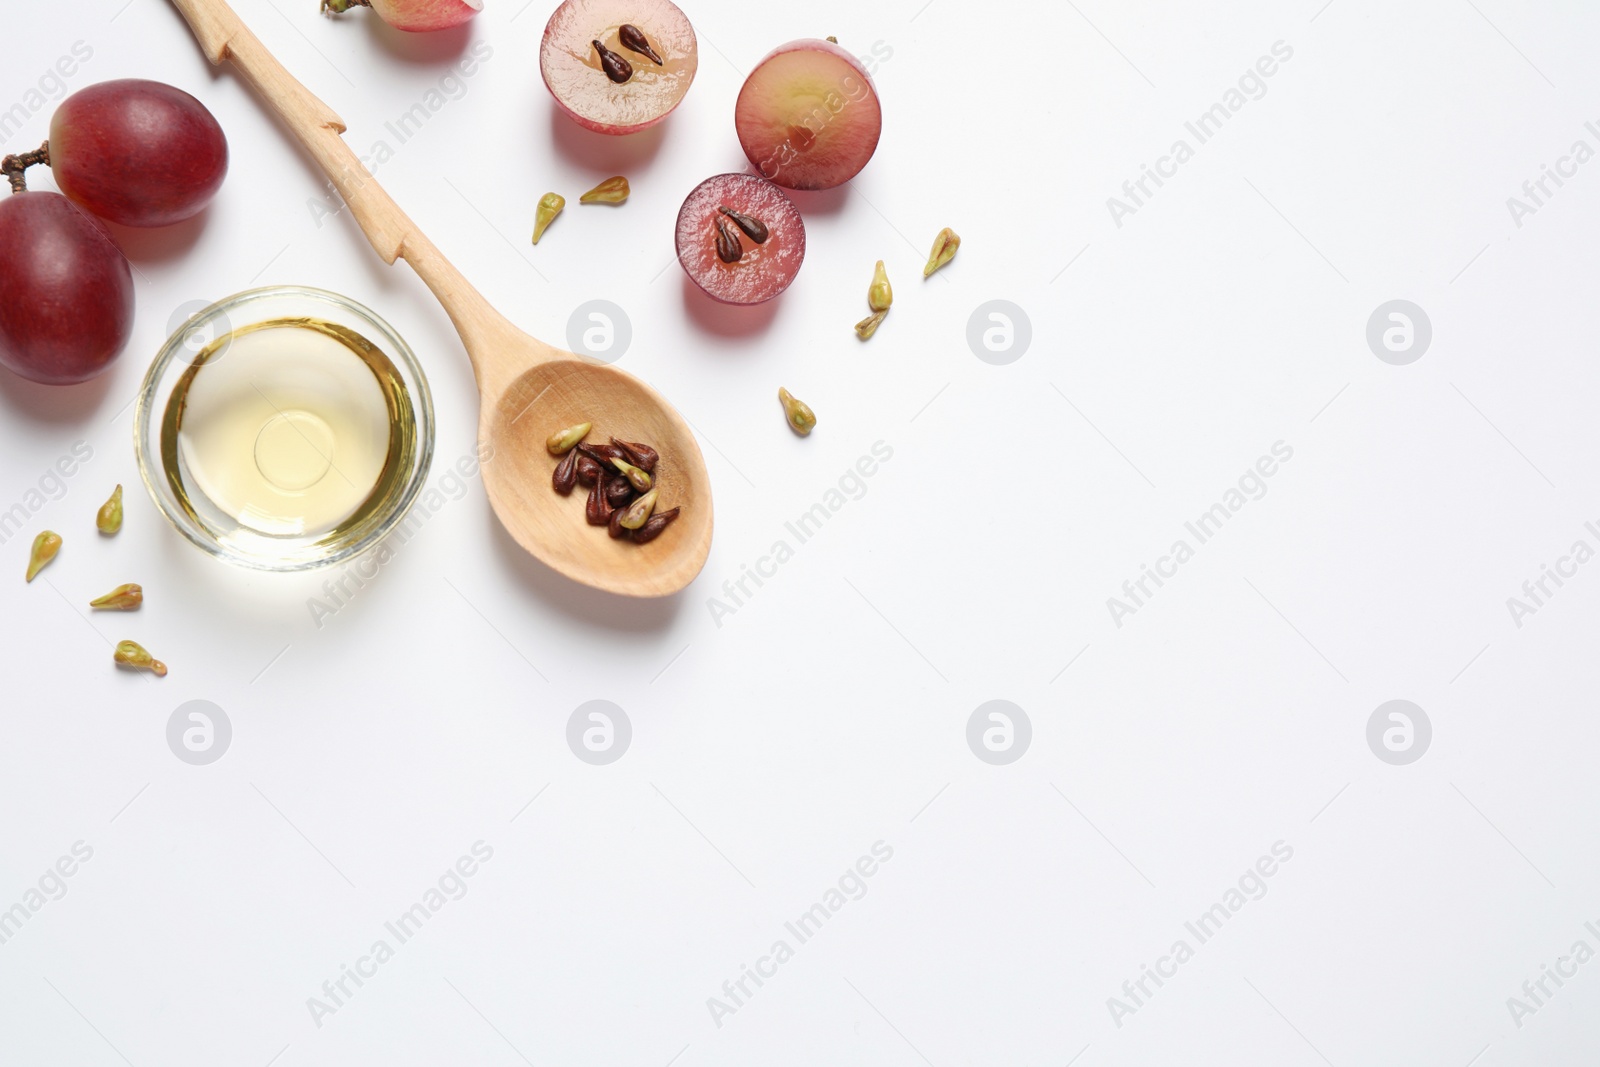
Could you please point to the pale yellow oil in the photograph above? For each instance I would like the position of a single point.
(294, 428)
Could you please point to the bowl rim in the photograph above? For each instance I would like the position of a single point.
(148, 405)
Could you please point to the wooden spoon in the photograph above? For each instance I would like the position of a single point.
(527, 389)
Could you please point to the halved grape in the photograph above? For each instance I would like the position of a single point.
(137, 152)
(808, 116)
(413, 16)
(733, 210)
(66, 293)
(588, 90)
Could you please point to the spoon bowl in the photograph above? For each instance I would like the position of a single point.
(565, 390)
(526, 388)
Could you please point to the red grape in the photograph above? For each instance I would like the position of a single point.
(413, 16)
(744, 269)
(66, 293)
(136, 152)
(576, 77)
(808, 116)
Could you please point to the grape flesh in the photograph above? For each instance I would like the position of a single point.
(138, 153)
(573, 73)
(763, 269)
(66, 293)
(808, 116)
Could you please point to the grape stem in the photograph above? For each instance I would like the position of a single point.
(14, 166)
(339, 7)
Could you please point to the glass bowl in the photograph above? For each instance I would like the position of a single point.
(231, 429)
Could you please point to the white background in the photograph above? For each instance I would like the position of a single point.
(829, 711)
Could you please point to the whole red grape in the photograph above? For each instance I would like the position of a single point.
(66, 293)
(137, 152)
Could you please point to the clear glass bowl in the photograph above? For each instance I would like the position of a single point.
(172, 485)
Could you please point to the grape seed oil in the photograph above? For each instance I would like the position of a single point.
(294, 427)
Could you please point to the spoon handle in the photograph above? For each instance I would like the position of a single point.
(223, 35)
